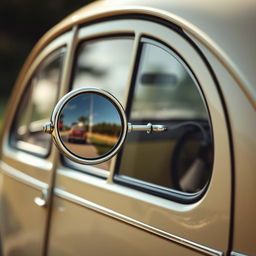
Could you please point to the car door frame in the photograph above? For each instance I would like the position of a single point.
(192, 225)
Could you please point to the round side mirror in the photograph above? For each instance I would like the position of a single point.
(89, 125)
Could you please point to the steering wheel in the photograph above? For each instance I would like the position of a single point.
(192, 158)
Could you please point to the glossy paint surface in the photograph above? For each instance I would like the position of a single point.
(243, 126)
(105, 235)
(208, 222)
(23, 222)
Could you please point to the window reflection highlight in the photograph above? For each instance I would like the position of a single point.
(104, 64)
(37, 105)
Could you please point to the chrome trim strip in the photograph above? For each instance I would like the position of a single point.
(103, 210)
(68, 62)
(28, 147)
(21, 177)
(237, 254)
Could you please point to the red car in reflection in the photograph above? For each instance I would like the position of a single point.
(77, 133)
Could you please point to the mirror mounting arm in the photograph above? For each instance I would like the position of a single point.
(147, 128)
(48, 128)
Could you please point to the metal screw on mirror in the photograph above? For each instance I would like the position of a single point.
(147, 128)
(48, 128)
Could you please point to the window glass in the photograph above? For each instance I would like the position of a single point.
(103, 64)
(166, 93)
(37, 105)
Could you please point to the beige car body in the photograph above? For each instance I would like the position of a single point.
(80, 220)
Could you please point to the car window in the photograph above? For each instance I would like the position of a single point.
(36, 106)
(104, 64)
(166, 92)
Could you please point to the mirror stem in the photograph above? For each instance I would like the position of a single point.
(147, 128)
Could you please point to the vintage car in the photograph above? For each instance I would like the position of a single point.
(77, 133)
(166, 92)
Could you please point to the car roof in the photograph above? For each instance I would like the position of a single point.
(227, 28)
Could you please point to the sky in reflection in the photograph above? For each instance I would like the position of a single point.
(88, 105)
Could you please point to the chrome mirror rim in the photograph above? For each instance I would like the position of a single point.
(53, 126)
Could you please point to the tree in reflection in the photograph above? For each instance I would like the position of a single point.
(83, 119)
(107, 128)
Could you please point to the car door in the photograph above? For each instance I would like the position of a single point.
(166, 193)
(27, 161)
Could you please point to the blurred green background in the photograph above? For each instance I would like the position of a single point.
(22, 23)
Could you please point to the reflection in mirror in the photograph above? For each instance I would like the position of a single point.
(89, 125)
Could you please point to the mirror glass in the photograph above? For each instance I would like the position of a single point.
(89, 125)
